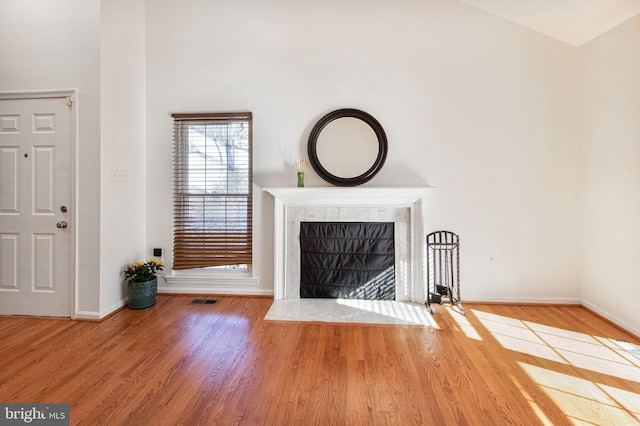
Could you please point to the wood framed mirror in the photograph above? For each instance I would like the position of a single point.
(347, 147)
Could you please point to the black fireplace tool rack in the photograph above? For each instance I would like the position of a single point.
(443, 269)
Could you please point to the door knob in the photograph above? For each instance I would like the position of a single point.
(62, 224)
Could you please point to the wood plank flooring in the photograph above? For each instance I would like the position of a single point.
(181, 364)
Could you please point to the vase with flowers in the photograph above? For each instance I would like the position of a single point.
(142, 281)
(300, 166)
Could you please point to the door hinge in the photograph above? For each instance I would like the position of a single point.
(69, 100)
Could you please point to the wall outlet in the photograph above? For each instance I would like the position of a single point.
(157, 252)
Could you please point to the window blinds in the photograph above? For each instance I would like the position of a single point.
(212, 187)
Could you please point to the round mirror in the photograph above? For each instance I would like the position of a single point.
(347, 147)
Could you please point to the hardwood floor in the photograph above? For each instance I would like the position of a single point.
(181, 364)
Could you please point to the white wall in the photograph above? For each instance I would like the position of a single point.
(51, 46)
(611, 174)
(123, 146)
(483, 109)
(97, 48)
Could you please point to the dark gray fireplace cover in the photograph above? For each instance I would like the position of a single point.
(351, 260)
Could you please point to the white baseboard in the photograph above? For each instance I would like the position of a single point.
(611, 317)
(525, 300)
(97, 316)
(111, 309)
(88, 315)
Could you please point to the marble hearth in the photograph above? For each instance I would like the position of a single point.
(403, 206)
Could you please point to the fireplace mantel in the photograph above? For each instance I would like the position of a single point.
(292, 204)
(352, 196)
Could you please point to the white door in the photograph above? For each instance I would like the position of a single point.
(35, 207)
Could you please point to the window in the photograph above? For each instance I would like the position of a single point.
(212, 187)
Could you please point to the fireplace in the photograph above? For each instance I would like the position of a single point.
(400, 206)
(348, 260)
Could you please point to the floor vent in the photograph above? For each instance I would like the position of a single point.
(204, 301)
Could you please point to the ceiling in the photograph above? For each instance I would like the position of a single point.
(573, 21)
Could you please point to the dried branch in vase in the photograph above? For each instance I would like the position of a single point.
(301, 165)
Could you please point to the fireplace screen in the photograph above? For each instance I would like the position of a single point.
(351, 260)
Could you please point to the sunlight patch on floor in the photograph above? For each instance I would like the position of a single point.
(586, 402)
(582, 401)
(559, 345)
(532, 403)
(465, 326)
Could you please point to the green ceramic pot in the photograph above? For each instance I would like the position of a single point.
(143, 295)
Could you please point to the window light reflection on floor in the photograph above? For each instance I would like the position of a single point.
(532, 403)
(464, 324)
(559, 345)
(583, 401)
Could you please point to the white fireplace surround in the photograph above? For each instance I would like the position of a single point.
(403, 206)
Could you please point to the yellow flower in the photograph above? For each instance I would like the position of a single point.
(152, 260)
(159, 262)
(139, 264)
